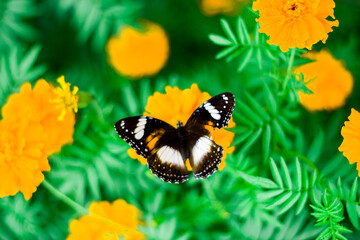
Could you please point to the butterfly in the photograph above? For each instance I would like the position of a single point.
(167, 148)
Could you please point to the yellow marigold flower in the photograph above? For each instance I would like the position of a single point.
(37, 106)
(65, 99)
(351, 142)
(328, 79)
(295, 23)
(107, 221)
(178, 105)
(136, 53)
(22, 157)
(214, 7)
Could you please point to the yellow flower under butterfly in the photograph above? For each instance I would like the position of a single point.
(107, 221)
(42, 105)
(178, 105)
(351, 142)
(295, 23)
(139, 52)
(330, 82)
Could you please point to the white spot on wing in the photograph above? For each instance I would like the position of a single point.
(169, 155)
(200, 149)
(215, 114)
(140, 128)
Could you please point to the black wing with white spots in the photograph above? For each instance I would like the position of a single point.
(142, 132)
(159, 143)
(205, 157)
(167, 160)
(167, 148)
(216, 112)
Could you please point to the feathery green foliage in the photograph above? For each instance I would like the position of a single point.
(285, 179)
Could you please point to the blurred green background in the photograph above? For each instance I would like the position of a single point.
(49, 38)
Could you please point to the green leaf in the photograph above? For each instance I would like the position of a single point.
(240, 31)
(301, 203)
(351, 210)
(270, 100)
(290, 202)
(354, 189)
(313, 178)
(280, 200)
(340, 236)
(275, 173)
(259, 57)
(243, 32)
(227, 30)
(244, 60)
(266, 195)
(324, 235)
(241, 119)
(266, 142)
(280, 134)
(340, 188)
(270, 55)
(225, 52)
(286, 173)
(305, 178)
(219, 40)
(255, 106)
(167, 229)
(258, 181)
(239, 138)
(93, 183)
(249, 113)
(29, 59)
(316, 146)
(251, 140)
(286, 124)
(131, 99)
(298, 174)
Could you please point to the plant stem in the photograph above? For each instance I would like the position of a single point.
(290, 65)
(77, 207)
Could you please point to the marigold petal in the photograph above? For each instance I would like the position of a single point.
(295, 23)
(137, 53)
(330, 82)
(351, 142)
(107, 221)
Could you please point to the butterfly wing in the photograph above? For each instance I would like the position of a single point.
(215, 113)
(205, 154)
(158, 142)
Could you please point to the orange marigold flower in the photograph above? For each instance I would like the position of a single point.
(214, 7)
(328, 79)
(295, 23)
(178, 105)
(107, 221)
(136, 53)
(22, 157)
(39, 106)
(351, 142)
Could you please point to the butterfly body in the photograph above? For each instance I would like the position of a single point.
(167, 148)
